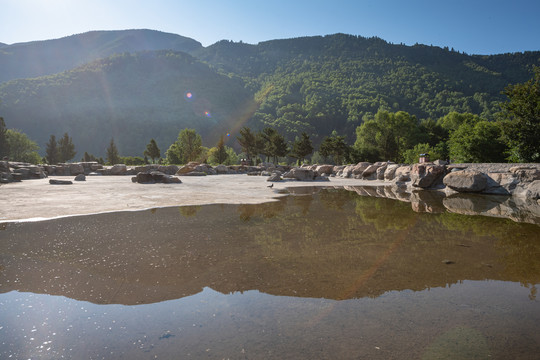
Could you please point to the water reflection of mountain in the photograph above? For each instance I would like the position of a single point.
(334, 244)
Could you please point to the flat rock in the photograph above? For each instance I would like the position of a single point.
(60, 182)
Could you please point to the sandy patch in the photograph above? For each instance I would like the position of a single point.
(37, 199)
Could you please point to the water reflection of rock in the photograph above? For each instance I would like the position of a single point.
(333, 245)
(514, 208)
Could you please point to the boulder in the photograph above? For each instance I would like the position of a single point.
(390, 172)
(221, 169)
(76, 169)
(205, 168)
(525, 173)
(427, 175)
(325, 169)
(189, 167)
(528, 190)
(500, 183)
(300, 174)
(274, 177)
(154, 176)
(380, 172)
(358, 169)
(118, 169)
(466, 181)
(403, 173)
(346, 172)
(80, 177)
(168, 169)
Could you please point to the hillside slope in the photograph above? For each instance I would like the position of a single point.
(131, 97)
(38, 58)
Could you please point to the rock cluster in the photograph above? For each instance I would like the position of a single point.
(520, 180)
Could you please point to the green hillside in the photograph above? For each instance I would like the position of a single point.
(313, 84)
(131, 97)
(317, 84)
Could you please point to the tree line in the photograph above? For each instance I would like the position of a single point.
(393, 136)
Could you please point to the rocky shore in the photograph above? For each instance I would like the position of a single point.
(519, 180)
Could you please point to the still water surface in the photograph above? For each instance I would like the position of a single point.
(329, 275)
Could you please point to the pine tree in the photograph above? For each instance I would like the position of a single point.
(112, 153)
(302, 147)
(52, 151)
(221, 153)
(152, 151)
(66, 149)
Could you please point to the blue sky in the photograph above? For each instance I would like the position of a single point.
(473, 26)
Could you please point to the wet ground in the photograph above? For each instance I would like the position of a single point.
(327, 274)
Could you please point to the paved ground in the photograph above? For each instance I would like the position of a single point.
(37, 199)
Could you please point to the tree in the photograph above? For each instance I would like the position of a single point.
(89, 158)
(522, 119)
(52, 151)
(21, 148)
(334, 146)
(221, 153)
(4, 145)
(190, 144)
(477, 142)
(274, 144)
(152, 150)
(302, 147)
(173, 154)
(112, 153)
(66, 149)
(248, 142)
(387, 135)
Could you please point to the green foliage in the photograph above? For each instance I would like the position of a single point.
(90, 158)
(302, 147)
(387, 136)
(52, 154)
(173, 155)
(272, 144)
(21, 148)
(478, 141)
(112, 153)
(334, 146)
(188, 147)
(411, 156)
(66, 148)
(248, 142)
(132, 160)
(130, 97)
(152, 151)
(4, 145)
(522, 114)
(218, 154)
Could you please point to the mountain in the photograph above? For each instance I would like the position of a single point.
(321, 83)
(131, 97)
(38, 58)
(314, 84)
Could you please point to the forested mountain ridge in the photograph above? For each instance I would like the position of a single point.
(131, 97)
(39, 58)
(312, 84)
(317, 84)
